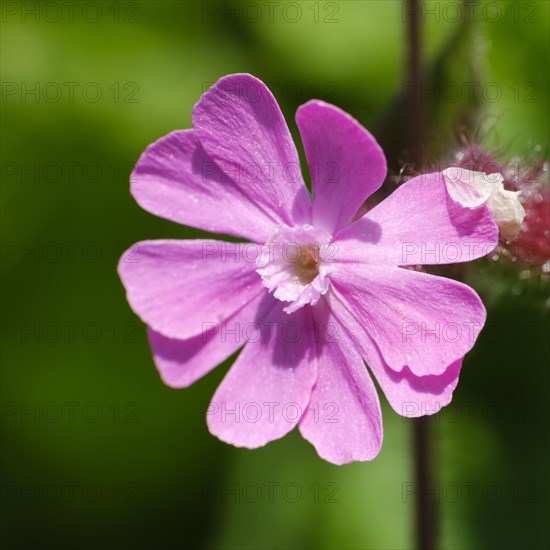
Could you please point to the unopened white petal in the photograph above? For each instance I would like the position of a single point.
(507, 212)
(473, 189)
(468, 188)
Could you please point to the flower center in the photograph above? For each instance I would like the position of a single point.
(294, 265)
(306, 264)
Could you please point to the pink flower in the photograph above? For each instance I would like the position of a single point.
(313, 294)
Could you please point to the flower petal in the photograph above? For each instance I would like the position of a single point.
(183, 362)
(417, 320)
(345, 162)
(343, 420)
(409, 395)
(176, 179)
(419, 224)
(266, 391)
(180, 288)
(240, 125)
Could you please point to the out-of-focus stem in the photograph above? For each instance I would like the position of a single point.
(414, 115)
(425, 510)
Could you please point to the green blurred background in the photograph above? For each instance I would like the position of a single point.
(96, 451)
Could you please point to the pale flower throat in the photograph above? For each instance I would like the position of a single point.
(294, 265)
